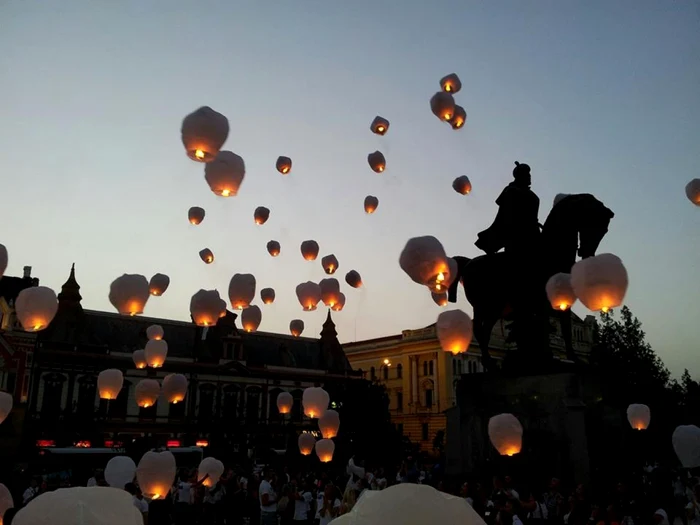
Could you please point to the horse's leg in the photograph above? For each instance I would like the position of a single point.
(482, 332)
(565, 321)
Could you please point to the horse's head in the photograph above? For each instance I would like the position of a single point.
(593, 228)
(461, 264)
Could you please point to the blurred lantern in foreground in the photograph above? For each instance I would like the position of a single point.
(459, 118)
(600, 282)
(147, 392)
(506, 434)
(159, 284)
(329, 423)
(109, 383)
(462, 185)
(119, 471)
(251, 318)
(560, 292)
(296, 327)
(309, 294)
(195, 215)
(284, 165)
(174, 388)
(454, 331)
(273, 248)
(558, 198)
(425, 262)
(129, 293)
(267, 295)
(155, 352)
(306, 443)
(686, 443)
(692, 191)
(139, 357)
(330, 291)
(203, 133)
(340, 303)
(377, 161)
(36, 307)
(3, 259)
(371, 204)
(6, 403)
(156, 474)
(206, 307)
(442, 105)
(155, 331)
(225, 174)
(285, 402)
(315, 401)
(241, 290)
(440, 299)
(353, 279)
(451, 83)
(207, 255)
(379, 125)
(639, 416)
(324, 450)
(261, 215)
(330, 264)
(211, 469)
(309, 250)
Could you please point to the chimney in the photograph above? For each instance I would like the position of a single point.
(27, 272)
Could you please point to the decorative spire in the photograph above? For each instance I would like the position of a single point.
(70, 291)
(329, 332)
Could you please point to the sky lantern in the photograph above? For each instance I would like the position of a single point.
(156, 473)
(377, 161)
(6, 403)
(309, 250)
(454, 331)
(315, 401)
(330, 264)
(440, 299)
(109, 383)
(442, 105)
(692, 191)
(261, 215)
(451, 83)
(285, 402)
(371, 204)
(273, 248)
(379, 125)
(354, 279)
(36, 307)
(251, 318)
(639, 416)
(147, 392)
(225, 174)
(195, 215)
(329, 423)
(241, 290)
(560, 292)
(174, 388)
(139, 357)
(129, 294)
(506, 434)
(309, 295)
(459, 118)
(206, 255)
(119, 471)
(600, 282)
(425, 262)
(267, 295)
(210, 468)
(296, 327)
(330, 291)
(324, 450)
(686, 443)
(203, 133)
(155, 331)
(3, 259)
(284, 165)
(159, 284)
(340, 303)
(462, 185)
(155, 352)
(306, 443)
(206, 307)
(6, 501)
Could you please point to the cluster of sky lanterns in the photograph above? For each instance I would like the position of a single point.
(443, 104)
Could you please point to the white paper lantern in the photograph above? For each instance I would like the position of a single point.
(6, 501)
(686, 443)
(330, 291)
(129, 294)
(225, 174)
(6, 403)
(442, 105)
(206, 307)
(139, 357)
(440, 299)
(296, 327)
(283, 165)
(109, 383)
(371, 204)
(379, 125)
(195, 215)
(241, 290)
(155, 331)
(692, 191)
(424, 261)
(156, 473)
(309, 294)
(354, 279)
(267, 295)
(462, 185)
(454, 330)
(285, 402)
(174, 388)
(159, 284)
(210, 471)
(506, 434)
(306, 443)
(451, 83)
(155, 352)
(273, 248)
(458, 118)
(3, 259)
(119, 471)
(340, 303)
(204, 131)
(600, 282)
(251, 318)
(377, 161)
(639, 416)
(261, 215)
(309, 250)
(147, 392)
(36, 307)
(560, 292)
(329, 423)
(330, 264)
(315, 401)
(324, 450)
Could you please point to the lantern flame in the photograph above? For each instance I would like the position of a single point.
(199, 154)
(380, 129)
(563, 306)
(225, 193)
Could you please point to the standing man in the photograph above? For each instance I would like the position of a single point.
(268, 498)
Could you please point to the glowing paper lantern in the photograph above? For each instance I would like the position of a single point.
(174, 388)
(273, 248)
(296, 327)
(139, 357)
(454, 331)
(309, 250)
(600, 282)
(261, 215)
(36, 307)
(206, 255)
(306, 443)
(212, 469)
(129, 294)
(315, 401)
(340, 303)
(354, 279)
(195, 215)
(330, 291)
(439, 298)
(424, 260)
(147, 392)
(267, 295)
(451, 83)
(155, 331)
(371, 204)
(241, 290)
(109, 383)
(284, 165)
(462, 185)
(225, 174)
(376, 161)
(379, 125)
(324, 450)
(206, 307)
(204, 131)
(639, 416)
(329, 423)
(560, 292)
(6, 403)
(159, 284)
(3, 259)
(330, 264)
(692, 191)
(155, 352)
(442, 105)
(6, 501)
(459, 118)
(309, 294)
(156, 473)
(686, 443)
(285, 402)
(251, 318)
(506, 434)
(119, 471)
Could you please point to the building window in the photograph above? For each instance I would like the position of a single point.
(424, 432)
(372, 374)
(252, 405)
(429, 398)
(53, 392)
(425, 368)
(399, 371)
(206, 403)
(399, 428)
(430, 367)
(297, 408)
(230, 410)
(87, 389)
(385, 373)
(399, 401)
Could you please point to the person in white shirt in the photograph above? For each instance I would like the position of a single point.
(302, 504)
(268, 498)
(330, 505)
(137, 497)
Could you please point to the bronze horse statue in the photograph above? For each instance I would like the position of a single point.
(576, 224)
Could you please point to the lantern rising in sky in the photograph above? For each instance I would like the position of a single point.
(261, 215)
(442, 105)
(377, 161)
(267, 295)
(424, 261)
(324, 450)
(251, 318)
(506, 434)
(306, 443)
(155, 331)
(206, 255)
(459, 118)
(560, 292)
(241, 290)
(330, 291)
(462, 185)
(379, 125)
(440, 299)
(315, 401)
(330, 264)
(273, 248)
(686, 444)
(206, 307)
(309, 250)
(174, 388)
(156, 473)
(354, 279)
(195, 215)
(129, 294)
(638, 416)
(147, 392)
(285, 402)
(692, 191)
(139, 357)
(371, 204)
(329, 423)
(225, 174)
(309, 295)
(36, 307)
(203, 132)
(454, 330)
(296, 327)
(109, 383)
(210, 471)
(158, 284)
(3, 259)
(284, 165)
(600, 282)
(155, 352)
(340, 303)
(451, 83)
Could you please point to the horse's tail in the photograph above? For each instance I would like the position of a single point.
(461, 264)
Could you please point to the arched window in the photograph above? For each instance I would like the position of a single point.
(425, 368)
(252, 404)
(385, 373)
(274, 413)
(231, 402)
(430, 367)
(297, 407)
(372, 373)
(87, 390)
(399, 371)
(206, 402)
(53, 393)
